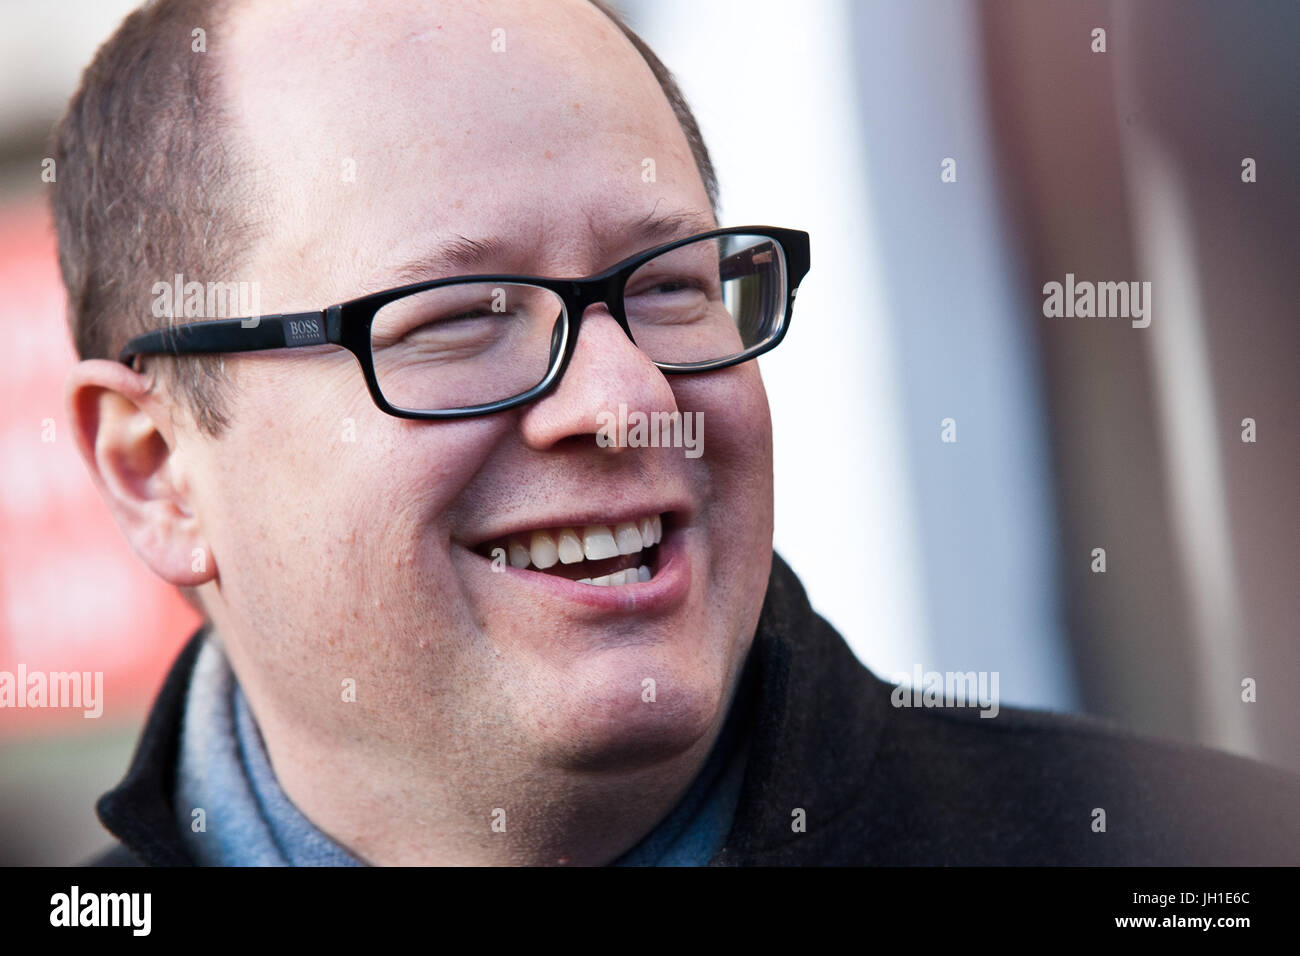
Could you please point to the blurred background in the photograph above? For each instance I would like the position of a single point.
(924, 303)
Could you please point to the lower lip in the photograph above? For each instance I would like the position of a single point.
(664, 591)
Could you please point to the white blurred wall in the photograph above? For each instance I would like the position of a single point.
(772, 87)
(833, 116)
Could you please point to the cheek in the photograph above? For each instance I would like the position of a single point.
(336, 536)
(736, 445)
(313, 511)
(734, 478)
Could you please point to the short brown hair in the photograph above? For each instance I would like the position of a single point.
(146, 183)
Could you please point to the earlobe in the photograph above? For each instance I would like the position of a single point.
(126, 437)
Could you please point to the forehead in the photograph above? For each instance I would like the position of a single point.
(379, 130)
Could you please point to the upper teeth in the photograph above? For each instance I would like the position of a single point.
(595, 542)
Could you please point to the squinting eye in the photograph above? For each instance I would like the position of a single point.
(471, 313)
(441, 327)
(468, 314)
(672, 285)
(667, 287)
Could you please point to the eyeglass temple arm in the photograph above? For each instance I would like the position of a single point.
(278, 331)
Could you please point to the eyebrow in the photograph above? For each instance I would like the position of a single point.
(458, 254)
(674, 225)
(463, 255)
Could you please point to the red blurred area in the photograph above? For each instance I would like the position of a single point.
(73, 597)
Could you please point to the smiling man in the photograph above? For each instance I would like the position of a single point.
(444, 623)
(501, 713)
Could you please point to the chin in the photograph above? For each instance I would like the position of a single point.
(608, 724)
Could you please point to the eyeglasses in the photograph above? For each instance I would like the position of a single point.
(473, 345)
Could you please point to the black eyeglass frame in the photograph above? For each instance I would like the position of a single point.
(347, 324)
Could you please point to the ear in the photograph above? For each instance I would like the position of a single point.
(126, 436)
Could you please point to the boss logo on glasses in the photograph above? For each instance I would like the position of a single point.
(303, 332)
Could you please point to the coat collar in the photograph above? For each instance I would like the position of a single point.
(817, 729)
(138, 811)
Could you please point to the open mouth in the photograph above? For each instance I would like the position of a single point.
(602, 555)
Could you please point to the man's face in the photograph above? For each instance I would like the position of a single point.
(347, 542)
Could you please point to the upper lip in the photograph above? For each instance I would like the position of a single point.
(580, 519)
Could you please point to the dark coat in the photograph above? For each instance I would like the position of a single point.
(880, 784)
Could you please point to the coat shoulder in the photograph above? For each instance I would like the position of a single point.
(1036, 787)
(844, 772)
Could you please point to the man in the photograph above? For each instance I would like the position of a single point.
(422, 644)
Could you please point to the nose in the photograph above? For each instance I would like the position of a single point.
(605, 371)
